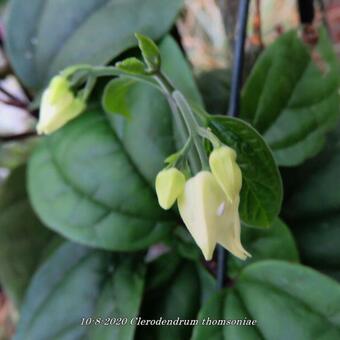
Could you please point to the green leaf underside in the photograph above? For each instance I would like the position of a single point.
(275, 243)
(290, 100)
(75, 283)
(261, 193)
(22, 237)
(41, 43)
(313, 208)
(84, 184)
(287, 300)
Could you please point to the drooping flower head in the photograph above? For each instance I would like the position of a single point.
(58, 106)
(209, 203)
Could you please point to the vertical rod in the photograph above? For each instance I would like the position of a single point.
(306, 11)
(238, 60)
(234, 105)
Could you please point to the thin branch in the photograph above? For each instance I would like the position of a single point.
(12, 96)
(13, 138)
(13, 103)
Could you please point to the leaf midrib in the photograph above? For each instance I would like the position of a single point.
(80, 192)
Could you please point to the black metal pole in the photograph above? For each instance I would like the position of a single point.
(234, 104)
(238, 60)
(306, 11)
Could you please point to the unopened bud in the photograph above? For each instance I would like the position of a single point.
(228, 174)
(58, 106)
(169, 185)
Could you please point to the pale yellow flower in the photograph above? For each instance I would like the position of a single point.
(223, 165)
(210, 216)
(169, 185)
(58, 106)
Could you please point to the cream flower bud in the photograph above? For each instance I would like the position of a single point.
(58, 106)
(210, 217)
(169, 185)
(228, 174)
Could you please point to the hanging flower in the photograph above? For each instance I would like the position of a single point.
(210, 216)
(169, 185)
(58, 106)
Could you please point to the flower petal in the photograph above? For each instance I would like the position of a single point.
(198, 205)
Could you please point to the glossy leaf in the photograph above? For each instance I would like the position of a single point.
(22, 237)
(286, 300)
(313, 207)
(276, 243)
(292, 99)
(93, 181)
(85, 184)
(76, 283)
(44, 37)
(261, 192)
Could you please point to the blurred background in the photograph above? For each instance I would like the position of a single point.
(205, 28)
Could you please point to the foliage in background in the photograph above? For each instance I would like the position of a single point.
(85, 250)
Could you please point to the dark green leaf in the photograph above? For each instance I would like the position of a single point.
(94, 184)
(22, 236)
(179, 298)
(292, 100)
(215, 88)
(85, 183)
(208, 283)
(161, 270)
(176, 67)
(287, 301)
(276, 243)
(313, 207)
(44, 37)
(261, 193)
(150, 52)
(76, 283)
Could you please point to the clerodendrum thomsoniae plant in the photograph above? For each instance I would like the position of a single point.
(206, 186)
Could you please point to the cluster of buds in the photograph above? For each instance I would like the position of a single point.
(58, 106)
(208, 202)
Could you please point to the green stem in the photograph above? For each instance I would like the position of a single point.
(184, 132)
(107, 71)
(193, 126)
(91, 82)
